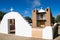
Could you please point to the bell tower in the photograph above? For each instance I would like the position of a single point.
(34, 18)
(48, 17)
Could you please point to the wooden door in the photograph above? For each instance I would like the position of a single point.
(11, 25)
(42, 24)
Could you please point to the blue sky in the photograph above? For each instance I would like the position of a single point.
(25, 7)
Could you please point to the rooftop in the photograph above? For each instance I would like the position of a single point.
(41, 10)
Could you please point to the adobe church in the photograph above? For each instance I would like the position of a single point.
(42, 23)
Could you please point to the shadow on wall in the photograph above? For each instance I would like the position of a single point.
(56, 34)
(0, 23)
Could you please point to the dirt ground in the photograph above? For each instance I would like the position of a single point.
(13, 37)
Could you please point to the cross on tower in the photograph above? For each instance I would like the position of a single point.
(11, 9)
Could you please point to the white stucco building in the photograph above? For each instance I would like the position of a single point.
(22, 27)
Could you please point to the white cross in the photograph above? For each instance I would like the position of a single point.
(11, 9)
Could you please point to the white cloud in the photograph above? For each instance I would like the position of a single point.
(36, 3)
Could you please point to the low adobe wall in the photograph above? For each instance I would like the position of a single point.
(44, 33)
(48, 32)
(37, 32)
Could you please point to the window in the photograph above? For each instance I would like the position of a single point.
(38, 16)
(46, 9)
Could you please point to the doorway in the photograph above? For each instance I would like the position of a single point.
(11, 25)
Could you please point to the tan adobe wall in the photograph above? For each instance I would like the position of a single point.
(37, 32)
(48, 17)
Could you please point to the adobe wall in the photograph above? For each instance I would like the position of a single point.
(43, 33)
(34, 18)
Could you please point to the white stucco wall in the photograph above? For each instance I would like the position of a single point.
(22, 28)
(47, 33)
